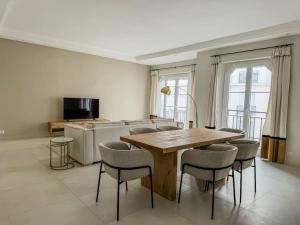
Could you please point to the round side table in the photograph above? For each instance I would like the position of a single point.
(64, 144)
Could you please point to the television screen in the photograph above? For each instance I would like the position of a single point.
(81, 108)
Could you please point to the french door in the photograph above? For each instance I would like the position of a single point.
(248, 89)
(175, 105)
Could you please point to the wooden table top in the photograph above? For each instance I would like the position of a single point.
(171, 141)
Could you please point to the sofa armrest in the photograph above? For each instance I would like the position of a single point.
(82, 147)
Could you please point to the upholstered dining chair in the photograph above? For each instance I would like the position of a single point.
(142, 130)
(232, 130)
(167, 128)
(245, 158)
(124, 164)
(210, 164)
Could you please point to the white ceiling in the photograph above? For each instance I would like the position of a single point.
(146, 31)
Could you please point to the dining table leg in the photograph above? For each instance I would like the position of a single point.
(164, 175)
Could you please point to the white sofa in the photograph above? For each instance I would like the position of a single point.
(86, 138)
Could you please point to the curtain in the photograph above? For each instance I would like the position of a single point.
(274, 131)
(212, 101)
(154, 93)
(191, 109)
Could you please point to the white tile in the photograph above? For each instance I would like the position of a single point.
(246, 217)
(283, 211)
(130, 202)
(18, 177)
(4, 218)
(64, 213)
(157, 216)
(30, 197)
(31, 193)
(196, 206)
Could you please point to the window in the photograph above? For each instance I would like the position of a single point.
(255, 74)
(247, 90)
(242, 77)
(175, 105)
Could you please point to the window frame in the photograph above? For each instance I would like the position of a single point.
(255, 77)
(176, 77)
(229, 69)
(242, 77)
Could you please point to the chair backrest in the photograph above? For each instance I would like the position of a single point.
(109, 151)
(142, 130)
(107, 134)
(232, 130)
(116, 145)
(247, 149)
(117, 156)
(215, 156)
(166, 128)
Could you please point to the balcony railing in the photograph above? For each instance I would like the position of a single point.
(181, 115)
(255, 123)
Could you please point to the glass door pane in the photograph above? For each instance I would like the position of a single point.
(170, 100)
(248, 97)
(236, 98)
(182, 100)
(176, 104)
(259, 98)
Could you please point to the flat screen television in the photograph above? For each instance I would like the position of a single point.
(81, 108)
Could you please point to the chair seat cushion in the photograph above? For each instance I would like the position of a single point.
(126, 175)
(206, 174)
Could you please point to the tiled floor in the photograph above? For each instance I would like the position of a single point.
(32, 194)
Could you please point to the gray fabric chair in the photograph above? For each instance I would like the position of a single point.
(245, 157)
(142, 130)
(232, 130)
(124, 165)
(210, 164)
(166, 128)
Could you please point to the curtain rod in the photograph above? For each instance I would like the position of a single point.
(255, 49)
(173, 67)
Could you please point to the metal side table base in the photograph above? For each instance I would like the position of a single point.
(63, 143)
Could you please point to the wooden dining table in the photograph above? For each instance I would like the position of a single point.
(164, 146)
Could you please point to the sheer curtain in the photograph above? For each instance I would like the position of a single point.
(212, 102)
(154, 93)
(274, 132)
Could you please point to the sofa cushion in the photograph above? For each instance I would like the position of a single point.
(106, 124)
(159, 120)
(137, 122)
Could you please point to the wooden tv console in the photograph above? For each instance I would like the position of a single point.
(57, 126)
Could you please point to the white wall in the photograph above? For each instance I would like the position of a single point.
(34, 79)
(203, 82)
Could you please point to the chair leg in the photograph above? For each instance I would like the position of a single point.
(151, 183)
(254, 175)
(233, 184)
(213, 195)
(241, 181)
(206, 184)
(126, 186)
(118, 195)
(179, 194)
(99, 179)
